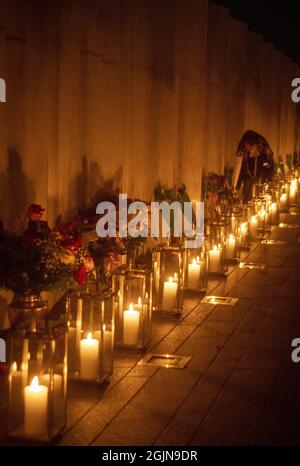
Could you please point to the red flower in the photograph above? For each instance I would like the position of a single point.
(81, 275)
(72, 243)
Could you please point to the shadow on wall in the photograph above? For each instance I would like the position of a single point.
(17, 191)
(89, 187)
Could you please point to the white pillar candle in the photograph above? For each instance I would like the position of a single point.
(89, 358)
(17, 385)
(193, 275)
(274, 212)
(139, 305)
(131, 325)
(253, 226)
(243, 232)
(283, 201)
(292, 196)
(214, 259)
(231, 247)
(36, 404)
(169, 295)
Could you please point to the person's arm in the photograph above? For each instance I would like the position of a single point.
(266, 149)
(236, 170)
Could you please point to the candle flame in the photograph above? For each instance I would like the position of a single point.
(131, 307)
(194, 261)
(89, 336)
(231, 236)
(241, 265)
(35, 382)
(215, 248)
(140, 300)
(198, 258)
(14, 367)
(170, 280)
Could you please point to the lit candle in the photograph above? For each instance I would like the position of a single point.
(139, 305)
(283, 201)
(253, 226)
(36, 401)
(17, 384)
(17, 376)
(169, 295)
(131, 324)
(231, 247)
(274, 212)
(293, 193)
(193, 275)
(89, 357)
(243, 232)
(214, 259)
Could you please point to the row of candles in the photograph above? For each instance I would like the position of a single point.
(123, 316)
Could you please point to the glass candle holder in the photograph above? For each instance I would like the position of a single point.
(235, 220)
(283, 202)
(253, 227)
(293, 192)
(37, 383)
(91, 336)
(218, 231)
(168, 279)
(274, 213)
(195, 267)
(264, 220)
(243, 236)
(133, 307)
(232, 250)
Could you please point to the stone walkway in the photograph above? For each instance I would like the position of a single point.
(240, 387)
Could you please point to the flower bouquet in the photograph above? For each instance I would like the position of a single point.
(218, 196)
(42, 259)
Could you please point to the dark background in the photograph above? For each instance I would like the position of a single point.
(277, 22)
